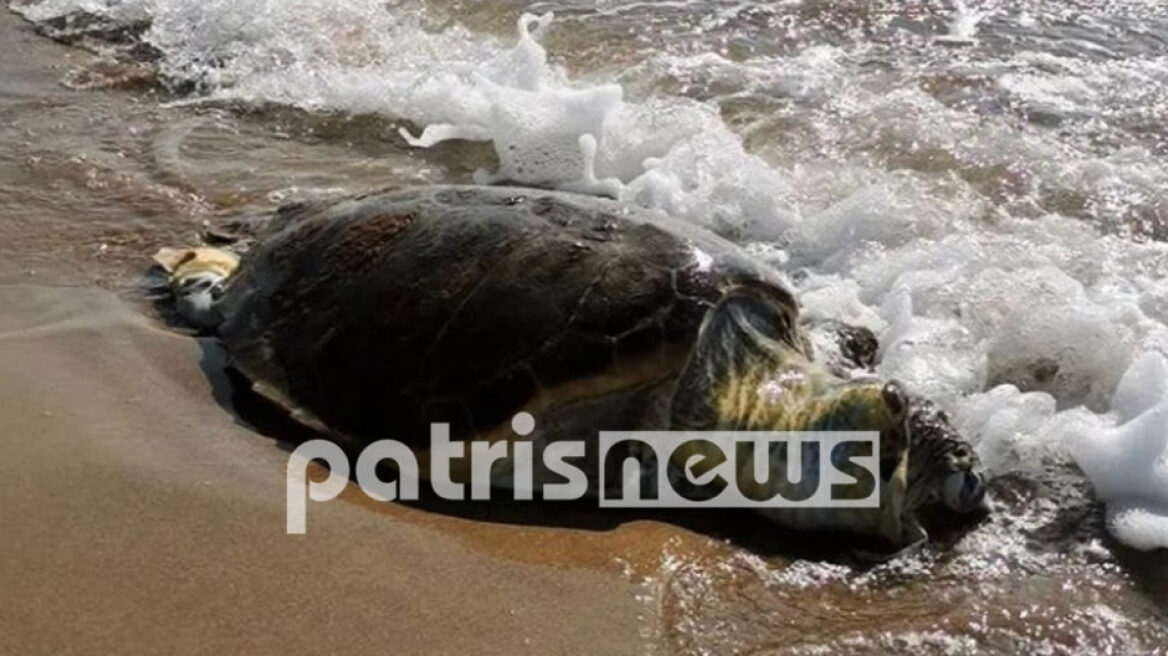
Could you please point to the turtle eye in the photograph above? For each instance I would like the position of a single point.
(961, 458)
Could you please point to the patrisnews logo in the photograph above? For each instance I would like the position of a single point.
(737, 469)
(637, 469)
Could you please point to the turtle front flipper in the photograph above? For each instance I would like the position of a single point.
(747, 335)
(899, 528)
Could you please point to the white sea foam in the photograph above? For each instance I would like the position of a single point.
(963, 24)
(992, 259)
(117, 10)
(1128, 463)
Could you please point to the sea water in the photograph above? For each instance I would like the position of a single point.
(980, 183)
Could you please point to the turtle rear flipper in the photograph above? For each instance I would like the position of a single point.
(295, 411)
(196, 278)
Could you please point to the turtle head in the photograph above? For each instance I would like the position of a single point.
(943, 467)
(197, 277)
(747, 372)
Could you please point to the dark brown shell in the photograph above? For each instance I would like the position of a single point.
(386, 312)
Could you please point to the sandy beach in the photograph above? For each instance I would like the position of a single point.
(137, 516)
(140, 514)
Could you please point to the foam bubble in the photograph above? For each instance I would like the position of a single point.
(538, 130)
(936, 358)
(121, 11)
(963, 25)
(838, 298)
(1144, 385)
(1139, 527)
(1075, 353)
(1128, 464)
(1010, 425)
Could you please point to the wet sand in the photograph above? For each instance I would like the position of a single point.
(139, 514)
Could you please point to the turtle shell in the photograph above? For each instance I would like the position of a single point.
(383, 313)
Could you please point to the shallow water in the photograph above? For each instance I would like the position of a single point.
(982, 185)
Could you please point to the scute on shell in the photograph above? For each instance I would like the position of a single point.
(389, 311)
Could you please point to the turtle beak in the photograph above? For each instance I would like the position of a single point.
(964, 492)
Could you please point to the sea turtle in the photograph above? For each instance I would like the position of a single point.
(377, 315)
